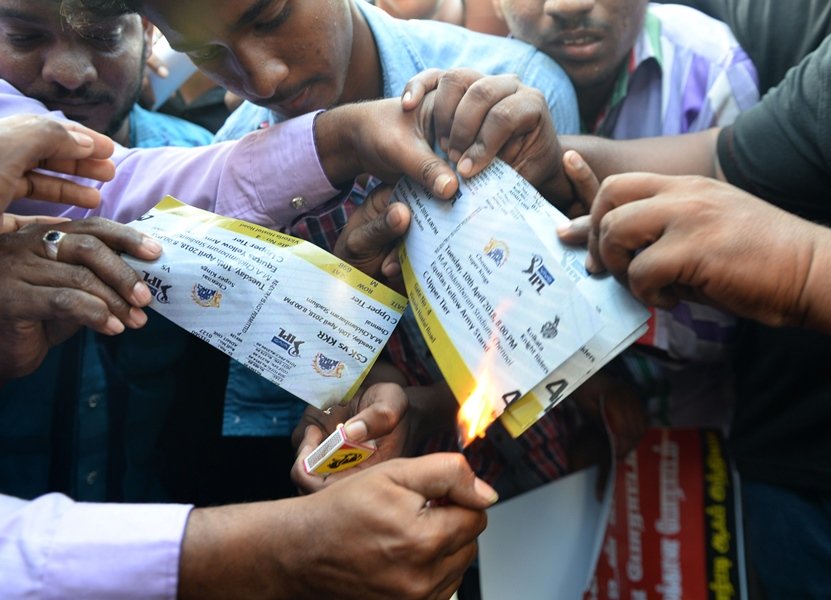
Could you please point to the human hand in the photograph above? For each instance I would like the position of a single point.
(477, 118)
(29, 142)
(45, 301)
(381, 139)
(671, 238)
(377, 412)
(369, 240)
(375, 535)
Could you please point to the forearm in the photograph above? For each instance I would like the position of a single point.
(690, 154)
(241, 551)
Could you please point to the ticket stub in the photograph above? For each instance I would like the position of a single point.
(288, 310)
(337, 453)
(490, 298)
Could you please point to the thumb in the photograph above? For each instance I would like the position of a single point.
(381, 408)
(444, 475)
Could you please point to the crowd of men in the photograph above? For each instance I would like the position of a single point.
(692, 157)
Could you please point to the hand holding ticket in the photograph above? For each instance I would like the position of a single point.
(288, 310)
(512, 318)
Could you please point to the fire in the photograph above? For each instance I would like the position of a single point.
(477, 412)
(480, 408)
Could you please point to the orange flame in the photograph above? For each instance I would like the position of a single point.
(479, 409)
(477, 412)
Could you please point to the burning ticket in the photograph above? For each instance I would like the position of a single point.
(337, 453)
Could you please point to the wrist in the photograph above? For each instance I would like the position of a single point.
(235, 551)
(334, 133)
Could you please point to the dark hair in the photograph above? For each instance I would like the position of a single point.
(80, 12)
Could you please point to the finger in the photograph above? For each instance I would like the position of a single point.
(474, 118)
(39, 186)
(443, 475)
(391, 267)
(380, 409)
(57, 275)
(100, 169)
(653, 277)
(70, 305)
(102, 145)
(576, 231)
(616, 191)
(116, 236)
(451, 103)
(92, 245)
(454, 564)
(418, 87)
(513, 126)
(157, 65)
(458, 527)
(384, 225)
(307, 483)
(582, 178)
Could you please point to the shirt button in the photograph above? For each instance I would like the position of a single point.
(93, 400)
(298, 202)
(92, 476)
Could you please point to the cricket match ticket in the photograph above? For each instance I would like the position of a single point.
(490, 298)
(286, 309)
(496, 241)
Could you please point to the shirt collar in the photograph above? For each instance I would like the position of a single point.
(647, 48)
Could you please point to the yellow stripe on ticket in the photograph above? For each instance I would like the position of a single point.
(522, 413)
(454, 369)
(301, 249)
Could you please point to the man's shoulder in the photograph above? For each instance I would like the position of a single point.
(427, 43)
(691, 31)
(152, 129)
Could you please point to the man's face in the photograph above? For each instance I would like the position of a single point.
(92, 76)
(589, 38)
(291, 56)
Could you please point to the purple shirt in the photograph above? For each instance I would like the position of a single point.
(254, 179)
(52, 547)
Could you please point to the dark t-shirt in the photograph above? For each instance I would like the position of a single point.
(781, 150)
(776, 34)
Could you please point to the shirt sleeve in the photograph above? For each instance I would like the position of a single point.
(52, 547)
(269, 177)
(780, 149)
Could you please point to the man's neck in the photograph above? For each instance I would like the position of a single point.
(593, 100)
(364, 80)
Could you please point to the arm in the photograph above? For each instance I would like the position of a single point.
(369, 536)
(258, 177)
(689, 154)
(54, 547)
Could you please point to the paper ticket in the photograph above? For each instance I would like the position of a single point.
(283, 307)
(623, 320)
(491, 300)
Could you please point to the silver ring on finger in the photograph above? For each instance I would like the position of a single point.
(51, 242)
